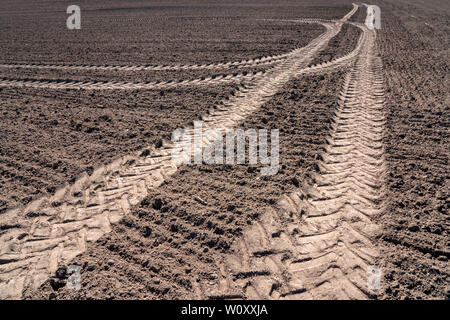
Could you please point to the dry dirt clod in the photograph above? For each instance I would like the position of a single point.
(200, 200)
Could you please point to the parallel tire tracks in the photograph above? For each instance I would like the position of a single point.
(329, 66)
(51, 231)
(316, 243)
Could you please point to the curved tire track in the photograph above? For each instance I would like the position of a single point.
(316, 243)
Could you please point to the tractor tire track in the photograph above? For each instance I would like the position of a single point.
(316, 243)
(329, 66)
(120, 85)
(52, 231)
(263, 61)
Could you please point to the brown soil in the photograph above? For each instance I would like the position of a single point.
(179, 235)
